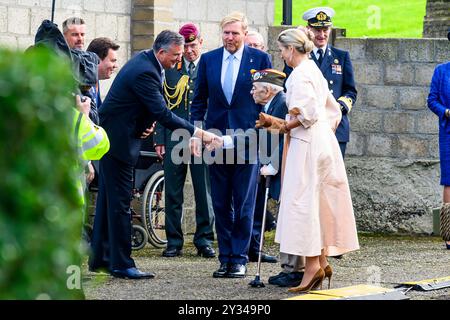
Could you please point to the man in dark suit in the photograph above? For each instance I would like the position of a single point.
(133, 103)
(267, 91)
(106, 50)
(222, 93)
(178, 92)
(336, 67)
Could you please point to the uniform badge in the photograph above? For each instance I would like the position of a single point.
(192, 37)
(256, 76)
(336, 69)
(321, 16)
(336, 61)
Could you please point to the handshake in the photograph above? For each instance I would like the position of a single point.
(210, 141)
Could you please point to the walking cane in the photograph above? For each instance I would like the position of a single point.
(257, 283)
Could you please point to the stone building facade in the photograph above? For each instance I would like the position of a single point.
(392, 159)
(436, 23)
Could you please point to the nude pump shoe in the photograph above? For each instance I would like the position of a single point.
(315, 282)
(328, 273)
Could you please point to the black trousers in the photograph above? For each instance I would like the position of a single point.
(174, 180)
(111, 239)
(343, 146)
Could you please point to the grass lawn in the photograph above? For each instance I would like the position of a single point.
(366, 18)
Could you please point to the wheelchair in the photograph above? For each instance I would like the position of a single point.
(147, 201)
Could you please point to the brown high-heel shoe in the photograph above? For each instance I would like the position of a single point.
(315, 282)
(328, 273)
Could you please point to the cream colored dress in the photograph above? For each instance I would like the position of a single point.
(316, 209)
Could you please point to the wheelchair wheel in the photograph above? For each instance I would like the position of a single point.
(153, 210)
(139, 237)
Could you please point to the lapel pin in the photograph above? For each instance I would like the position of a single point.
(336, 61)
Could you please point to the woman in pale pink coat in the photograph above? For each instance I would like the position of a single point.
(316, 217)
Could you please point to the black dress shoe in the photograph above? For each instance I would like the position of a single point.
(292, 279)
(237, 271)
(206, 252)
(132, 273)
(222, 271)
(264, 258)
(172, 252)
(270, 227)
(280, 275)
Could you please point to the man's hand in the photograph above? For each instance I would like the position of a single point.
(83, 107)
(148, 131)
(216, 143)
(195, 145)
(91, 174)
(160, 150)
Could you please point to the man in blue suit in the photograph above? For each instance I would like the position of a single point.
(223, 94)
(335, 65)
(133, 103)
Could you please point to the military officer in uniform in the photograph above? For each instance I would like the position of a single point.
(178, 91)
(335, 65)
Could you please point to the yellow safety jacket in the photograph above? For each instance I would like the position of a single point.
(92, 143)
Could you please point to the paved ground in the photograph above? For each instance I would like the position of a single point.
(387, 260)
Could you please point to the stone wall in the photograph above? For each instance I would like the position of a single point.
(393, 155)
(20, 19)
(392, 159)
(436, 22)
(207, 14)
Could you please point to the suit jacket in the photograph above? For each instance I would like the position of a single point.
(133, 103)
(173, 76)
(337, 69)
(209, 98)
(274, 153)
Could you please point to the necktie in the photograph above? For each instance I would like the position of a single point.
(320, 52)
(228, 80)
(191, 69)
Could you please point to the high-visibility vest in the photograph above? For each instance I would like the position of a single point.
(92, 143)
(92, 140)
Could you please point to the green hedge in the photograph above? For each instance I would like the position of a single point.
(40, 211)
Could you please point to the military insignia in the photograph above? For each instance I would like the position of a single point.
(321, 16)
(336, 69)
(336, 61)
(256, 76)
(192, 37)
(179, 66)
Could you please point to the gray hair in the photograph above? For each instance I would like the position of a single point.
(274, 87)
(256, 34)
(70, 21)
(166, 39)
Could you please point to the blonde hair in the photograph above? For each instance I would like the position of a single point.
(300, 38)
(235, 16)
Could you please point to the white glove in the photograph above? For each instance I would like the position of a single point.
(268, 170)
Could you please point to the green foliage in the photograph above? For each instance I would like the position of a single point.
(397, 19)
(40, 209)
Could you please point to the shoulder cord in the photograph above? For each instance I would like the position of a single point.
(178, 91)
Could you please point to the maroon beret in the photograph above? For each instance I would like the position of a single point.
(190, 32)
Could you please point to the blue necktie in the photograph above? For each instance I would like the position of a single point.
(228, 80)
